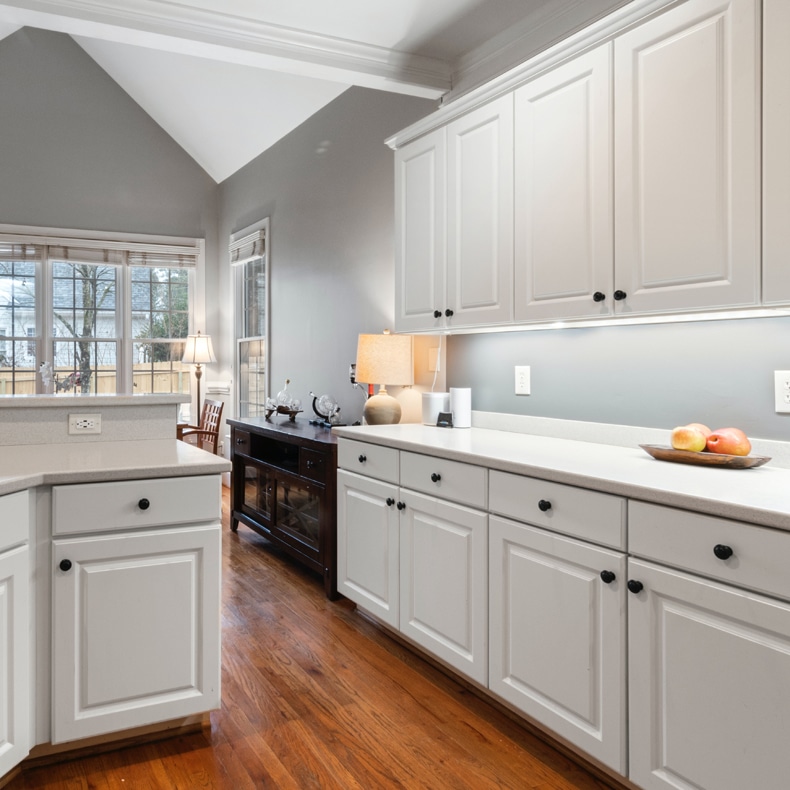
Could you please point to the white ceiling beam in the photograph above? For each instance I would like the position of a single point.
(190, 31)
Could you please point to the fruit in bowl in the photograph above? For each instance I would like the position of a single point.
(730, 441)
(689, 437)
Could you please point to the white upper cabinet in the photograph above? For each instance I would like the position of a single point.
(480, 216)
(420, 236)
(687, 207)
(776, 152)
(563, 191)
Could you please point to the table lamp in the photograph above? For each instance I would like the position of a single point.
(198, 351)
(384, 359)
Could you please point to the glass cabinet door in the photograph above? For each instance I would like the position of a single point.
(258, 496)
(298, 511)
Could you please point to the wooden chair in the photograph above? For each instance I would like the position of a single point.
(205, 435)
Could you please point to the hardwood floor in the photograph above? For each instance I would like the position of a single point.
(316, 696)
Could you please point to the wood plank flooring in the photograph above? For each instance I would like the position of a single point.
(316, 696)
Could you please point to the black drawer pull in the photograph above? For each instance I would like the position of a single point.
(619, 295)
(65, 565)
(401, 505)
(240, 441)
(448, 312)
(363, 458)
(634, 586)
(390, 501)
(722, 552)
(143, 504)
(437, 313)
(599, 296)
(544, 505)
(435, 477)
(607, 577)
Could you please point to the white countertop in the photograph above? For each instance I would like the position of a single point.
(760, 495)
(27, 466)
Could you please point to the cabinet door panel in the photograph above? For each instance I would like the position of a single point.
(367, 545)
(558, 635)
(136, 629)
(709, 670)
(420, 239)
(563, 191)
(686, 158)
(444, 594)
(14, 656)
(480, 215)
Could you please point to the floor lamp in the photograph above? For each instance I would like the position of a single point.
(198, 351)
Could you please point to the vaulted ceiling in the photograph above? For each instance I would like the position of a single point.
(228, 78)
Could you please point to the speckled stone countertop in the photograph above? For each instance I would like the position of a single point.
(760, 495)
(27, 466)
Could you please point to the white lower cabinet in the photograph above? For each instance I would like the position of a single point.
(444, 581)
(135, 614)
(709, 669)
(15, 658)
(415, 561)
(558, 636)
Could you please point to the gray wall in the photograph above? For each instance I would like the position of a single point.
(716, 372)
(328, 189)
(77, 152)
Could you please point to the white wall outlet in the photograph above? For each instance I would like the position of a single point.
(84, 423)
(522, 380)
(433, 359)
(782, 391)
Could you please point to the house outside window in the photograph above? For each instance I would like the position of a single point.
(108, 315)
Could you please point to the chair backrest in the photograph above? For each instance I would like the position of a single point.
(208, 436)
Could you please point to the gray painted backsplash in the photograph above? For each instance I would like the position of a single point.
(654, 375)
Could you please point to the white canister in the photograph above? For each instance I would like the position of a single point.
(461, 406)
(432, 404)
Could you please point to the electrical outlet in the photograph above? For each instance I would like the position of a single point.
(352, 372)
(522, 380)
(84, 423)
(782, 391)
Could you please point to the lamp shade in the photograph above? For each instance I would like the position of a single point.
(385, 359)
(198, 350)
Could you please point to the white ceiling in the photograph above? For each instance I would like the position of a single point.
(228, 78)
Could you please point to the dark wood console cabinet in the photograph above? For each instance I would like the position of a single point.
(284, 484)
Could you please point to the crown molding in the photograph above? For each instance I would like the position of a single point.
(176, 27)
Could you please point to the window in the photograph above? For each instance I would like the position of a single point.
(108, 315)
(248, 255)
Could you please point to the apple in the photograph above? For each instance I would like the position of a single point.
(731, 441)
(687, 437)
(700, 427)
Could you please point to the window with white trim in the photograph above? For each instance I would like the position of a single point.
(104, 315)
(248, 256)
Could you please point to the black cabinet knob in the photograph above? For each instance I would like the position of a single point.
(598, 296)
(448, 312)
(65, 565)
(722, 552)
(607, 577)
(239, 441)
(435, 477)
(619, 295)
(437, 313)
(390, 501)
(634, 586)
(401, 505)
(544, 505)
(363, 458)
(144, 504)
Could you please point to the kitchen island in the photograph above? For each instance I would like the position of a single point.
(636, 610)
(110, 568)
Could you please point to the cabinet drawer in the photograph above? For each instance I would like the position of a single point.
(590, 515)
(131, 504)
(687, 540)
(371, 460)
(458, 482)
(241, 442)
(312, 465)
